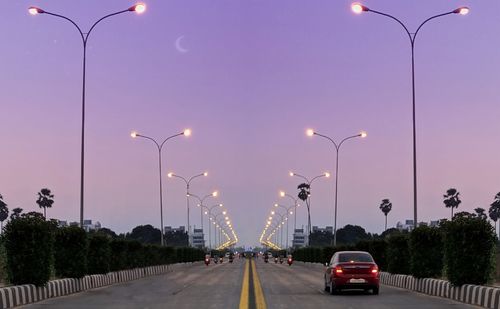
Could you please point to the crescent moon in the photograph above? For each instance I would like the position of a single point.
(178, 45)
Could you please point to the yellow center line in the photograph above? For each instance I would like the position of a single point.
(260, 302)
(244, 287)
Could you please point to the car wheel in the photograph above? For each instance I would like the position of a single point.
(327, 288)
(333, 289)
(375, 291)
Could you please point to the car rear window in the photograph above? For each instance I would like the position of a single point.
(354, 257)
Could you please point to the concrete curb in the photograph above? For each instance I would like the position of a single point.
(483, 296)
(13, 296)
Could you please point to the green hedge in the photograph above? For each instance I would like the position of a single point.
(70, 252)
(469, 248)
(426, 248)
(29, 246)
(98, 254)
(30, 251)
(119, 254)
(398, 254)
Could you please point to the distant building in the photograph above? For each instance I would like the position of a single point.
(299, 238)
(169, 229)
(198, 238)
(408, 225)
(87, 224)
(326, 229)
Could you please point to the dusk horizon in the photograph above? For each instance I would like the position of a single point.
(248, 78)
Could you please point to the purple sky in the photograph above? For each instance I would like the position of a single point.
(257, 74)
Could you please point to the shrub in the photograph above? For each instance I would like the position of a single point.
(378, 249)
(29, 246)
(98, 254)
(135, 256)
(3, 268)
(167, 255)
(469, 249)
(426, 252)
(152, 255)
(70, 252)
(398, 255)
(119, 253)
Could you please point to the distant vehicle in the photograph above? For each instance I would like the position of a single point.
(227, 254)
(351, 270)
(290, 260)
(207, 259)
(269, 255)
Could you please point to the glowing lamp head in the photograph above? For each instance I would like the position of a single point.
(133, 134)
(327, 175)
(170, 175)
(291, 173)
(462, 10)
(215, 193)
(275, 205)
(272, 212)
(282, 193)
(363, 134)
(309, 132)
(205, 174)
(358, 8)
(206, 212)
(139, 8)
(33, 10)
(224, 212)
(291, 212)
(187, 132)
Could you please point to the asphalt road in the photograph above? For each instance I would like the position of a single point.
(302, 287)
(220, 286)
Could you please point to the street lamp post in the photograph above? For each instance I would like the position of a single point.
(201, 200)
(209, 213)
(295, 203)
(138, 8)
(188, 182)
(363, 134)
(159, 146)
(217, 222)
(287, 209)
(308, 201)
(282, 219)
(358, 9)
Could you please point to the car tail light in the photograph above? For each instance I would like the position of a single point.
(374, 270)
(338, 270)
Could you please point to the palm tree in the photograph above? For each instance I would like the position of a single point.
(481, 213)
(452, 199)
(304, 192)
(4, 212)
(45, 200)
(386, 207)
(16, 212)
(494, 210)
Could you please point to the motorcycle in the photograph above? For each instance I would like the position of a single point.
(266, 259)
(221, 260)
(216, 260)
(281, 260)
(276, 260)
(230, 260)
(290, 261)
(207, 261)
